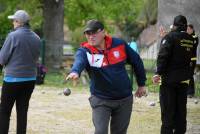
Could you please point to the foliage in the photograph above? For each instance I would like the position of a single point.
(148, 14)
(4, 23)
(9, 7)
(129, 16)
(112, 12)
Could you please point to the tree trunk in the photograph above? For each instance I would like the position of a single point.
(53, 13)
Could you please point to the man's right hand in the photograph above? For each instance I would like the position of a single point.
(156, 79)
(73, 76)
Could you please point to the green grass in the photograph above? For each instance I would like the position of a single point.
(197, 91)
(149, 64)
(56, 80)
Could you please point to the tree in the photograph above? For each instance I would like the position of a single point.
(53, 13)
(122, 14)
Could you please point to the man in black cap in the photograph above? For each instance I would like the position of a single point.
(104, 58)
(173, 73)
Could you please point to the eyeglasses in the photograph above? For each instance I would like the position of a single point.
(88, 33)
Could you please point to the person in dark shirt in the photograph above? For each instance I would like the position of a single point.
(191, 31)
(173, 75)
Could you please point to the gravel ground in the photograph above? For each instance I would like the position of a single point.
(51, 112)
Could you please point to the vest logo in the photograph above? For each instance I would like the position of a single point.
(95, 60)
(188, 49)
(116, 54)
(163, 42)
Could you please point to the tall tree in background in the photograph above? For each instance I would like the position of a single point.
(53, 13)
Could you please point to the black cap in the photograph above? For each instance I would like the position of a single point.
(93, 25)
(180, 20)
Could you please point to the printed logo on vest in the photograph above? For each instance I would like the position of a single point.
(116, 54)
(95, 60)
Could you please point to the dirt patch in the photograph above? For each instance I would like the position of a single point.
(51, 112)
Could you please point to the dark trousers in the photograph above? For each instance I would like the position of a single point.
(115, 112)
(191, 88)
(173, 101)
(19, 92)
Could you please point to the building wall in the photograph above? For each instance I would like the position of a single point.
(168, 9)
